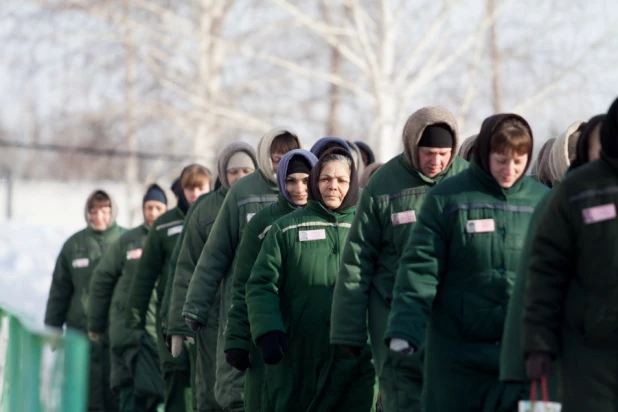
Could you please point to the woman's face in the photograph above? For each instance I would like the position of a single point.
(507, 168)
(334, 183)
(296, 186)
(235, 174)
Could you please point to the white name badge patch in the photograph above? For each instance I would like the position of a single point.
(599, 213)
(174, 230)
(403, 218)
(134, 254)
(480, 226)
(81, 263)
(307, 235)
(250, 216)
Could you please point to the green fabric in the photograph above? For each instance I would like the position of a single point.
(68, 302)
(100, 396)
(238, 332)
(213, 271)
(178, 391)
(512, 362)
(147, 384)
(128, 402)
(199, 221)
(68, 295)
(151, 277)
(460, 282)
(179, 327)
(370, 261)
(200, 218)
(154, 269)
(206, 363)
(109, 293)
(290, 290)
(167, 296)
(571, 303)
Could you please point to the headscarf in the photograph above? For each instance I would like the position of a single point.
(226, 155)
(371, 158)
(282, 169)
(482, 147)
(351, 197)
(322, 145)
(581, 151)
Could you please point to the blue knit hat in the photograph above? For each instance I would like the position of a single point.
(282, 169)
(155, 192)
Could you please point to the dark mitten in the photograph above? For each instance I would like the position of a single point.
(272, 346)
(238, 359)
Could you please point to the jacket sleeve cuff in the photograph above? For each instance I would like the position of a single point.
(237, 343)
(537, 339)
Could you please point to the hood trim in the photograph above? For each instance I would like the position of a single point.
(112, 201)
(225, 155)
(558, 159)
(418, 122)
(265, 164)
(283, 170)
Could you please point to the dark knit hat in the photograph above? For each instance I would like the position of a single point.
(155, 192)
(298, 164)
(437, 135)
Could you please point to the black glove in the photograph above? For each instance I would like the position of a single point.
(352, 350)
(238, 359)
(194, 325)
(538, 365)
(272, 346)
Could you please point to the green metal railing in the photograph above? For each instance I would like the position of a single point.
(41, 369)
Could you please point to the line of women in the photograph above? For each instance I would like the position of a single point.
(447, 283)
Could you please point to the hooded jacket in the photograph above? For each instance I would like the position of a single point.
(592, 127)
(198, 226)
(322, 144)
(265, 163)
(69, 295)
(386, 212)
(152, 275)
(80, 254)
(237, 332)
(365, 148)
(313, 187)
(570, 307)
(465, 151)
(559, 159)
(367, 173)
(198, 223)
(469, 234)
(541, 172)
(109, 292)
(356, 157)
(247, 197)
(289, 291)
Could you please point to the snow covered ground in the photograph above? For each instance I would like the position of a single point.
(28, 253)
(44, 215)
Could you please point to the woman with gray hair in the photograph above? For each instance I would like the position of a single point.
(289, 296)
